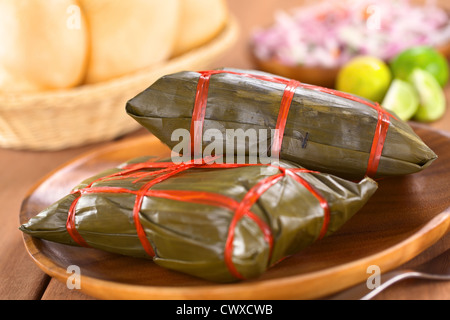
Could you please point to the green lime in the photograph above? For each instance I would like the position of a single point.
(365, 76)
(401, 99)
(431, 96)
(422, 57)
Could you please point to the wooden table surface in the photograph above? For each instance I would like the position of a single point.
(21, 279)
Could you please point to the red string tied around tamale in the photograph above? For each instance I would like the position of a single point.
(241, 209)
(199, 112)
(166, 170)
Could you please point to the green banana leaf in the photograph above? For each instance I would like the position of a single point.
(190, 234)
(324, 131)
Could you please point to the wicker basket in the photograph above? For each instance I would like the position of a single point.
(92, 113)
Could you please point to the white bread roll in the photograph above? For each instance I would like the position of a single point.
(43, 45)
(126, 36)
(200, 21)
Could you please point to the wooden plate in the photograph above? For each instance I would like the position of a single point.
(404, 217)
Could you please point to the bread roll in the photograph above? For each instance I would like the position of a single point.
(126, 36)
(43, 45)
(200, 21)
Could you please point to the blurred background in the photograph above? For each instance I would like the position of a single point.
(253, 15)
(67, 67)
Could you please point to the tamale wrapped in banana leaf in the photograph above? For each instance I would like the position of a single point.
(318, 128)
(222, 222)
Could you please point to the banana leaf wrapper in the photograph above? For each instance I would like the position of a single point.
(218, 222)
(324, 130)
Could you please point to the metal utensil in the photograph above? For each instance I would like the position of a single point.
(437, 268)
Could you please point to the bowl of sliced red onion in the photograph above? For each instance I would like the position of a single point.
(311, 43)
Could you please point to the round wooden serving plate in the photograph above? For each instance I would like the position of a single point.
(404, 217)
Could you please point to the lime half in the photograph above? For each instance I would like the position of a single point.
(431, 96)
(401, 99)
